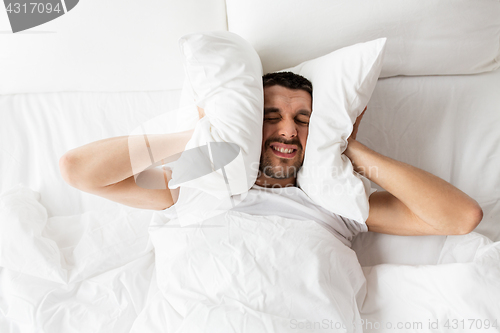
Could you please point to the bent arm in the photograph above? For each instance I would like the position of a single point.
(112, 168)
(416, 198)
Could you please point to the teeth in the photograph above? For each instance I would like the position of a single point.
(283, 150)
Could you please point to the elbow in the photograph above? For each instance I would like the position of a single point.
(68, 168)
(473, 217)
(65, 168)
(477, 217)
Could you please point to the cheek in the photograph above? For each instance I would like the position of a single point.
(266, 133)
(303, 138)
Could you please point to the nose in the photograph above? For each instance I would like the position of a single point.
(287, 128)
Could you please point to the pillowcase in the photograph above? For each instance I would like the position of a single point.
(343, 82)
(425, 37)
(224, 75)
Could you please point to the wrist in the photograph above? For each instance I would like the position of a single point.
(357, 154)
(352, 147)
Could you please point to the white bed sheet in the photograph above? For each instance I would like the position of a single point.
(100, 274)
(83, 273)
(458, 294)
(37, 129)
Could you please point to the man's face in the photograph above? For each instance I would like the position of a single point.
(286, 124)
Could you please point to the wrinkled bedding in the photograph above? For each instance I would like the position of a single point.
(137, 272)
(79, 273)
(244, 273)
(459, 294)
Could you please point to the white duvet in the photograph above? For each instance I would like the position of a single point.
(244, 273)
(132, 272)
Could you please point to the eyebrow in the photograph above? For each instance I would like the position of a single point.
(304, 112)
(273, 110)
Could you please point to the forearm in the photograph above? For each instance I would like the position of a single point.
(112, 160)
(432, 199)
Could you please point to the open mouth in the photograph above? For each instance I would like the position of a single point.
(283, 152)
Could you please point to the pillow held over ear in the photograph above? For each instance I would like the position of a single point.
(343, 82)
(224, 74)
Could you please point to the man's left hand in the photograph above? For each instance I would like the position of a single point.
(356, 125)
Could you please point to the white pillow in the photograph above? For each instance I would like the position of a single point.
(343, 82)
(225, 76)
(425, 37)
(113, 45)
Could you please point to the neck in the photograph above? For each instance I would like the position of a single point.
(266, 181)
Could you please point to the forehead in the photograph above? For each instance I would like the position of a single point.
(277, 96)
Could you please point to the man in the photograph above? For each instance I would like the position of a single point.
(415, 202)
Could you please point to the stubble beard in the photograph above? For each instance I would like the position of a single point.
(281, 170)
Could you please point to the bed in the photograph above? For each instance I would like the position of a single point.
(74, 262)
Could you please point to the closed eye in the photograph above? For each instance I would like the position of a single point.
(302, 120)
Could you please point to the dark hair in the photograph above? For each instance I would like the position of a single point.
(288, 80)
